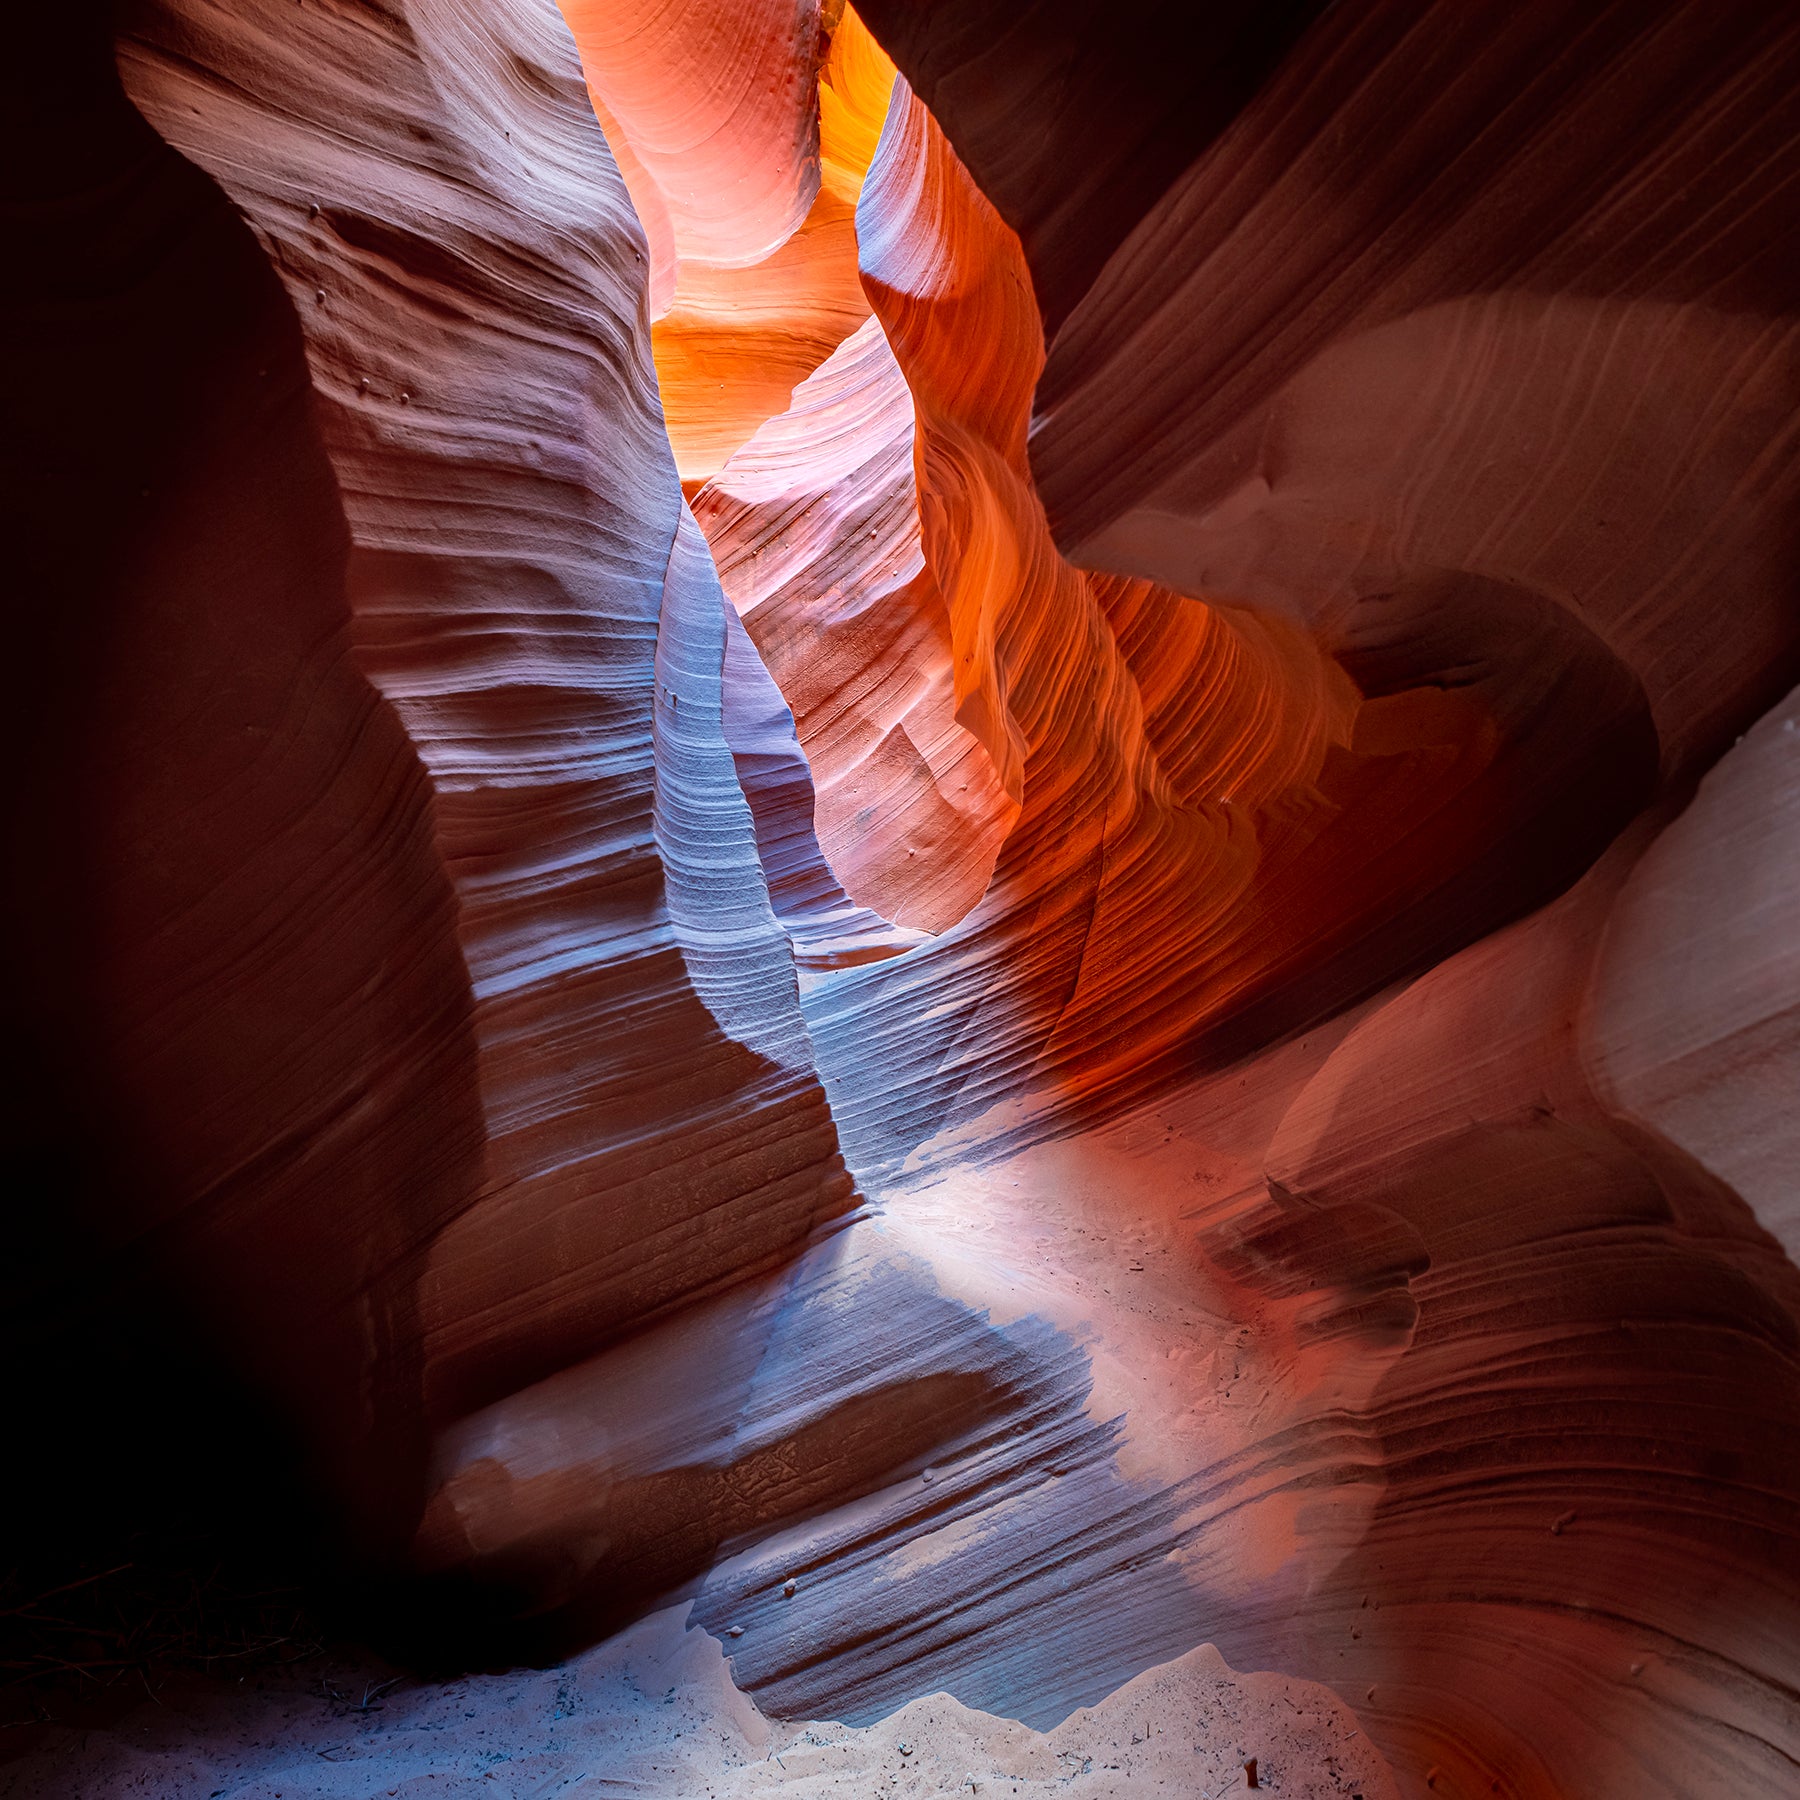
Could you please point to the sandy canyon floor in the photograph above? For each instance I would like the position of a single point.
(654, 1712)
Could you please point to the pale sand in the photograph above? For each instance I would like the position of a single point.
(654, 1712)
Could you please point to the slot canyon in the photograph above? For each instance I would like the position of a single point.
(906, 899)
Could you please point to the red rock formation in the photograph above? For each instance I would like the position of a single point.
(432, 996)
(743, 135)
(812, 499)
(1117, 113)
(247, 1070)
(1466, 1202)
(1357, 320)
(826, 927)
(814, 525)
(1576, 1574)
(1692, 1015)
(1192, 887)
(1007, 738)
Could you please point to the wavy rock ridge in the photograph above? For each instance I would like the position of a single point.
(715, 628)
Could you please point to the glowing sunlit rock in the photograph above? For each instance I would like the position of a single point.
(746, 186)
(573, 683)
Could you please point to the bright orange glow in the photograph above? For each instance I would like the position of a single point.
(746, 188)
(1186, 807)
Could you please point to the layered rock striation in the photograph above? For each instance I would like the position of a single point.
(948, 851)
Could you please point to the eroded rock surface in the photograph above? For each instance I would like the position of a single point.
(483, 386)
(1057, 992)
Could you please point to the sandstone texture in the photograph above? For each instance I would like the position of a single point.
(939, 863)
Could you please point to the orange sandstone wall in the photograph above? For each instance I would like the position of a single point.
(1538, 330)
(453, 1028)
(1227, 824)
(1325, 757)
(1505, 1313)
(510, 842)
